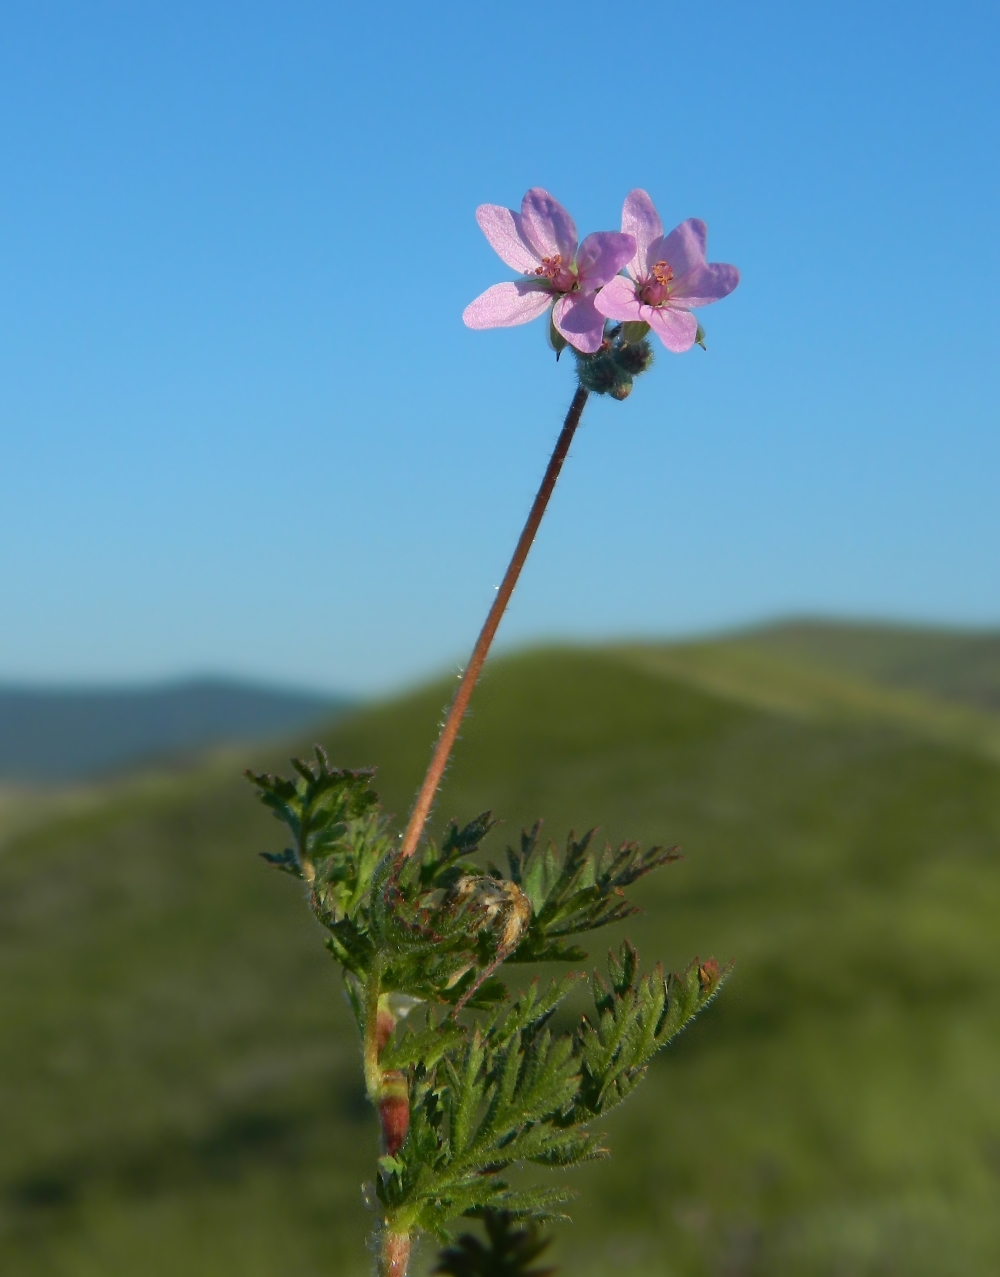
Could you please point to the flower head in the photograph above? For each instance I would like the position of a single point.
(541, 243)
(668, 276)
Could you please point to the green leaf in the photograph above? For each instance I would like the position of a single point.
(510, 1249)
(577, 893)
(284, 860)
(532, 1008)
(635, 1017)
(339, 836)
(466, 1094)
(426, 1046)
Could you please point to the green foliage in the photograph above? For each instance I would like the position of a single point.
(509, 1089)
(633, 1019)
(576, 893)
(333, 818)
(441, 924)
(515, 1090)
(512, 1248)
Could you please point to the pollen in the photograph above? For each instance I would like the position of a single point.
(550, 267)
(663, 273)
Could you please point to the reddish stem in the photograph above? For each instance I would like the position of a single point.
(449, 732)
(395, 1254)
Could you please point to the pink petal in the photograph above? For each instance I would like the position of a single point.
(502, 227)
(705, 284)
(576, 317)
(675, 328)
(505, 305)
(601, 257)
(641, 220)
(683, 249)
(618, 300)
(546, 225)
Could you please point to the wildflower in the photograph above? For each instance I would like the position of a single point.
(667, 278)
(541, 242)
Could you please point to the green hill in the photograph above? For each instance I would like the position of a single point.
(180, 1079)
(958, 665)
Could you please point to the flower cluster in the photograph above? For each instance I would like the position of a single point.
(581, 285)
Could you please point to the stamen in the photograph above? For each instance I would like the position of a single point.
(663, 273)
(657, 288)
(550, 267)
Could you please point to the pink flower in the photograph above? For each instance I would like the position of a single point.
(541, 242)
(667, 278)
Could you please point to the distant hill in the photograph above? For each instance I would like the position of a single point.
(180, 1072)
(940, 684)
(55, 735)
(959, 665)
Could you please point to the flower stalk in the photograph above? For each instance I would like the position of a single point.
(453, 721)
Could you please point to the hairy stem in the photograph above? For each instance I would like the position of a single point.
(449, 732)
(373, 1074)
(395, 1257)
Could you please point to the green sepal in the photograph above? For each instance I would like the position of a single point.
(634, 331)
(556, 340)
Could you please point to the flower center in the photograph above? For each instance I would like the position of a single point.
(562, 278)
(656, 290)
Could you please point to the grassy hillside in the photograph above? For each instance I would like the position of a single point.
(958, 665)
(180, 1080)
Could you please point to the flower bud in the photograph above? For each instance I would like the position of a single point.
(634, 357)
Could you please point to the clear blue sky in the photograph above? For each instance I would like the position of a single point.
(244, 430)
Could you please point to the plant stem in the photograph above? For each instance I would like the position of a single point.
(373, 1074)
(395, 1258)
(449, 732)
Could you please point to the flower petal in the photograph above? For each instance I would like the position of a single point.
(547, 227)
(576, 317)
(601, 257)
(641, 220)
(503, 228)
(505, 305)
(676, 328)
(705, 284)
(618, 300)
(683, 249)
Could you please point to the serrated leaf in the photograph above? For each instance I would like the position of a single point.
(577, 893)
(634, 1018)
(509, 1250)
(286, 860)
(425, 1047)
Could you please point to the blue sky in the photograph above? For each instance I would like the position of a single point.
(243, 429)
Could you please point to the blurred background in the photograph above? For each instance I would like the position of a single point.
(258, 483)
